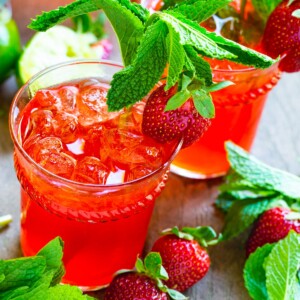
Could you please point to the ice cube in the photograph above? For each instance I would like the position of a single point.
(41, 122)
(91, 103)
(48, 99)
(137, 172)
(65, 127)
(90, 170)
(42, 148)
(68, 96)
(58, 163)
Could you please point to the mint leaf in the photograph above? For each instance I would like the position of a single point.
(282, 266)
(66, 292)
(22, 272)
(261, 175)
(117, 14)
(53, 253)
(265, 7)
(204, 104)
(242, 214)
(199, 10)
(255, 275)
(199, 65)
(242, 54)
(138, 10)
(136, 81)
(191, 35)
(176, 57)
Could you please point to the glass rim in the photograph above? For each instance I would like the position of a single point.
(20, 148)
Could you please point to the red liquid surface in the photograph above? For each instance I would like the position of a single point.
(68, 131)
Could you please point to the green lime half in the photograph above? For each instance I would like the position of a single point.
(58, 44)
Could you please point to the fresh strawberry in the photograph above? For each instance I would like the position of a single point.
(185, 261)
(133, 286)
(165, 126)
(273, 225)
(143, 283)
(282, 35)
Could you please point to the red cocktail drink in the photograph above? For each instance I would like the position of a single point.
(87, 175)
(238, 111)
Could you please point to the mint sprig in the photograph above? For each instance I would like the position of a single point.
(150, 43)
(270, 273)
(37, 277)
(251, 188)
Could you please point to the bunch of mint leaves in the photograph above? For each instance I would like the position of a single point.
(171, 39)
(252, 187)
(37, 277)
(272, 271)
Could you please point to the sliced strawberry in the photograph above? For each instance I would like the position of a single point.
(282, 36)
(272, 226)
(165, 126)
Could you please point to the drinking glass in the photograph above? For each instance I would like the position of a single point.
(103, 226)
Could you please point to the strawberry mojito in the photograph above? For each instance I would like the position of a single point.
(87, 175)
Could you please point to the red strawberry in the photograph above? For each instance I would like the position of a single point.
(185, 261)
(273, 225)
(282, 36)
(144, 283)
(167, 126)
(133, 286)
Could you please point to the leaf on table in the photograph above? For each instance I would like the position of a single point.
(53, 253)
(255, 275)
(242, 214)
(66, 292)
(282, 266)
(22, 272)
(262, 175)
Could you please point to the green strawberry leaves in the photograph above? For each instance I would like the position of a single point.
(252, 187)
(153, 268)
(204, 235)
(5, 221)
(270, 273)
(165, 39)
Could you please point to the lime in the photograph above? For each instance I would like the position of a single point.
(58, 44)
(10, 45)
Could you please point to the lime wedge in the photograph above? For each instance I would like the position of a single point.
(58, 44)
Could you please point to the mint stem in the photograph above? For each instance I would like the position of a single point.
(5, 220)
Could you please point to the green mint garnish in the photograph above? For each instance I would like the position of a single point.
(252, 187)
(270, 272)
(37, 277)
(171, 38)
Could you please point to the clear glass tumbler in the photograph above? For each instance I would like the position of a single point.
(103, 226)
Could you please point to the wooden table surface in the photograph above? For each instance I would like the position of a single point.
(184, 202)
